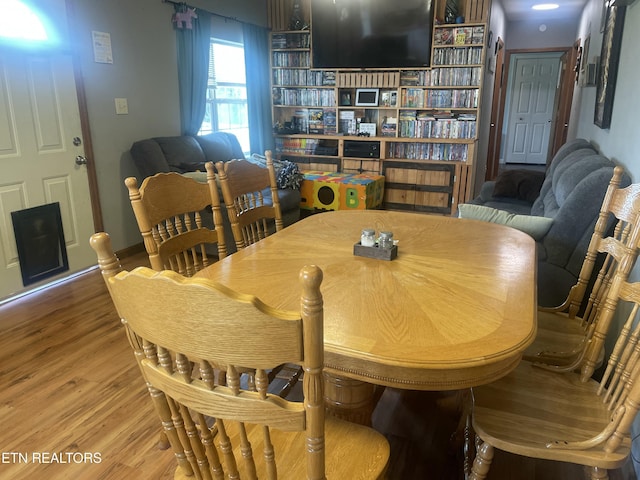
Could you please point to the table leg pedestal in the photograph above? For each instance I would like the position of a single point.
(347, 399)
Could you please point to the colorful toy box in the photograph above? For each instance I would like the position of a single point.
(341, 191)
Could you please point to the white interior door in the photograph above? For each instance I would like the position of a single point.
(39, 120)
(533, 88)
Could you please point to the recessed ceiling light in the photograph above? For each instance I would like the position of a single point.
(545, 6)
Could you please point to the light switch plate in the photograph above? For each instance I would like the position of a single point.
(122, 106)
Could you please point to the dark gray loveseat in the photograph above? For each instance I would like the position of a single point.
(185, 154)
(571, 194)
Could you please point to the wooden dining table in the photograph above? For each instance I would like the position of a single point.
(455, 309)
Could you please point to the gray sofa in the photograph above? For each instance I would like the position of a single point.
(571, 193)
(186, 154)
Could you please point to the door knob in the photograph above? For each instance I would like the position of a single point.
(81, 160)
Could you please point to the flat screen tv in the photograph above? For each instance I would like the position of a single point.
(371, 33)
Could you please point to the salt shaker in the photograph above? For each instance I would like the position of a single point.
(386, 240)
(368, 237)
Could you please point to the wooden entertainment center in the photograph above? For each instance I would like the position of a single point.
(416, 126)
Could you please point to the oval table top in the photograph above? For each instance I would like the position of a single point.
(455, 309)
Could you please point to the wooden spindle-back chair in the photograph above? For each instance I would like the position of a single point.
(252, 217)
(224, 431)
(563, 336)
(566, 416)
(251, 214)
(169, 209)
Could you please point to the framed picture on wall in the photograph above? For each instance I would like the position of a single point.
(608, 69)
(585, 55)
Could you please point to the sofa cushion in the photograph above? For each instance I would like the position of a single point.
(568, 148)
(149, 158)
(567, 241)
(183, 153)
(548, 200)
(220, 146)
(536, 227)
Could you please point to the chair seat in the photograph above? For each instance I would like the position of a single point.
(557, 333)
(531, 407)
(341, 438)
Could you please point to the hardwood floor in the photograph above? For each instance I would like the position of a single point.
(73, 404)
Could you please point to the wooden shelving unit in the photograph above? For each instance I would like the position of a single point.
(423, 127)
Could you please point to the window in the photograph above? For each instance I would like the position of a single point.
(227, 92)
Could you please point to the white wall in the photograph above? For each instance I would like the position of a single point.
(621, 142)
(526, 34)
(144, 71)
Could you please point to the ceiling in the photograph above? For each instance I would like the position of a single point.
(518, 10)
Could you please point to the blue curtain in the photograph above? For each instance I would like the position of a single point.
(256, 58)
(193, 69)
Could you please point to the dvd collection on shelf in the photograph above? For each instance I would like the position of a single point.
(291, 59)
(299, 77)
(303, 97)
(420, 98)
(428, 151)
(467, 35)
(290, 40)
(429, 127)
(439, 77)
(457, 56)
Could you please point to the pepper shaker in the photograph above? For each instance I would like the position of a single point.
(386, 240)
